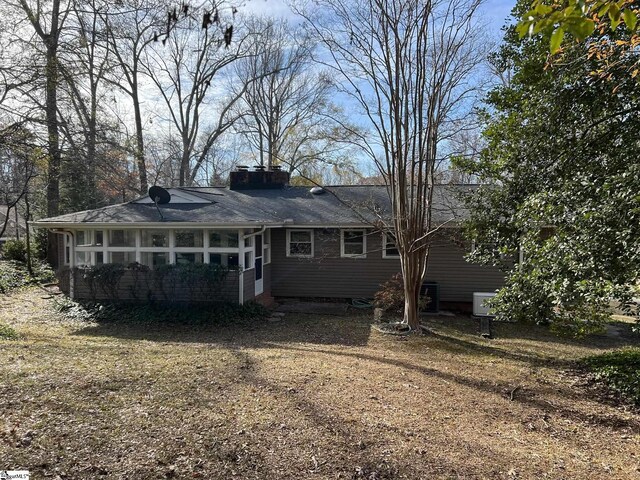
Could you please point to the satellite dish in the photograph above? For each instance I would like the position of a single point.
(317, 191)
(159, 195)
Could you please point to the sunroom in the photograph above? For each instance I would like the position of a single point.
(145, 254)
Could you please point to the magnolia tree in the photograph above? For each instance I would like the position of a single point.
(412, 67)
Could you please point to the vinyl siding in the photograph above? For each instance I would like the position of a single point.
(328, 275)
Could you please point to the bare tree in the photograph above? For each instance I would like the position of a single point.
(47, 20)
(286, 113)
(186, 71)
(131, 26)
(84, 91)
(17, 168)
(409, 64)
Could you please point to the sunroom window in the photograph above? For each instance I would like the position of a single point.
(122, 238)
(223, 239)
(155, 238)
(224, 259)
(189, 257)
(154, 259)
(188, 238)
(353, 243)
(123, 258)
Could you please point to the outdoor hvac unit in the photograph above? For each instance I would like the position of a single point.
(480, 309)
(431, 290)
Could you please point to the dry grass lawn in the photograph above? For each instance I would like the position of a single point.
(311, 397)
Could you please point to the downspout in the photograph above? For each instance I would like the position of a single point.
(72, 259)
(249, 235)
(241, 270)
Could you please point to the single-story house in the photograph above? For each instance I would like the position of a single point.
(277, 240)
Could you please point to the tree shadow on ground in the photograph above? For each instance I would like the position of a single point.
(538, 333)
(349, 330)
(536, 398)
(351, 446)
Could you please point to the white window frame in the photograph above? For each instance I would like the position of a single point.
(363, 232)
(171, 249)
(386, 239)
(266, 247)
(298, 255)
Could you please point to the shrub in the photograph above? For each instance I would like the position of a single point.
(529, 297)
(14, 275)
(106, 277)
(15, 250)
(103, 312)
(619, 371)
(390, 297)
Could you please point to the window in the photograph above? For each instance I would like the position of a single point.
(299, 243)
(83, 259)
(123, 258)
(353, 244)
(122, 238)
(266, 239)
(188, 238)
(389, 248)
(225, 259)
(155, 238)
(183, 258)
(154, 259)
(83, 238)
(223, 239)
(248, 260)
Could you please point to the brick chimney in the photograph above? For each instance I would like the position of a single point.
(259, 178)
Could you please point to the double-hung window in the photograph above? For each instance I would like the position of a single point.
(300, 243)
(353, 243)
(389, 246)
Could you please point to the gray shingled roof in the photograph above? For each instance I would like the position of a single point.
(339, 205)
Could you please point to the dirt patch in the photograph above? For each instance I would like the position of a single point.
(307, 397)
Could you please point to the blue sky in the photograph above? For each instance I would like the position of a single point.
(494, 11)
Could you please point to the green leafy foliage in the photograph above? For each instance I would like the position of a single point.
(561, 176)
(577, 18)
(15, 250)
(8, 333)
(105, 277)
(618, 371)
(14, 275)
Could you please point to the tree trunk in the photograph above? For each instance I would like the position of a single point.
(412, 272)
(53, 170)
(139, 152)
